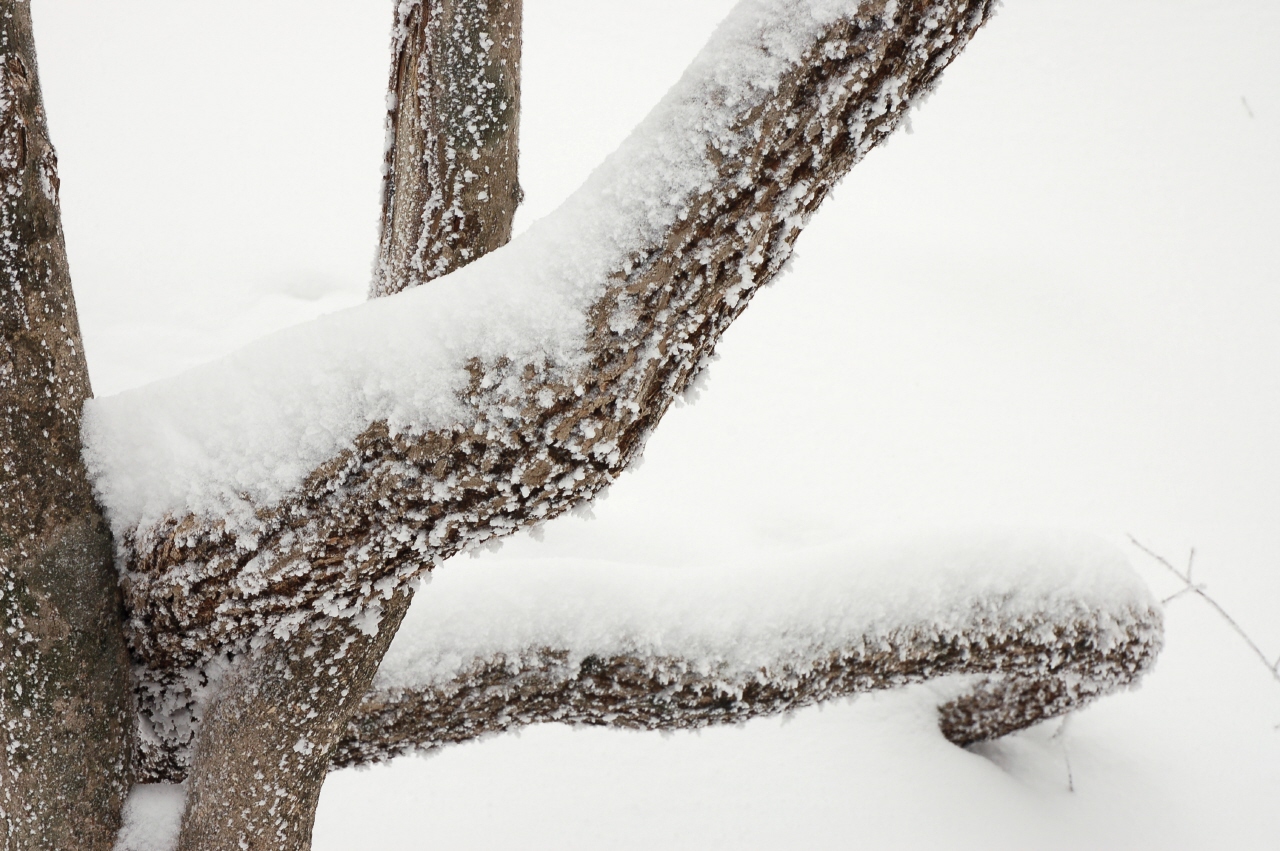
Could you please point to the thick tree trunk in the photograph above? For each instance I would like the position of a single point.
(66, 715)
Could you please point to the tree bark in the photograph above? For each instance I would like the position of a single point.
(1029, 669)
(450, 187)
(66, 714)
(267, 737)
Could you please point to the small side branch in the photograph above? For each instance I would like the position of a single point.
(1190, 587)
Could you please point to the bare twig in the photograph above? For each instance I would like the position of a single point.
(1272, 667)
(1060, 736)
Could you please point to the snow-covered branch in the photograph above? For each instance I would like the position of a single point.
(314, 473)
(1041, 625)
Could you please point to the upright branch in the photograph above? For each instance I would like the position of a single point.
(450, 188)
(66, 717)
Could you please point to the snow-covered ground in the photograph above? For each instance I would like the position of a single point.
(1054, 305)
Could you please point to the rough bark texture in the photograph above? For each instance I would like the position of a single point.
(66, 716)
(395, 505)
(1031, 671)
(450, 189)
(267, 738)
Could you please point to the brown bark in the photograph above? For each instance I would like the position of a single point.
(267, 737)
(66, 717)
(1031, 669)
(395, 504)
(450, 190)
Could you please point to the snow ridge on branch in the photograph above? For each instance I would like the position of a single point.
(1050, 621)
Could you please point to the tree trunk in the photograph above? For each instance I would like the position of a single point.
(66, 715)
(450, 189)
(266, 740)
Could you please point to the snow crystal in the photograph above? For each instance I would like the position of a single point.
(152, 816)
(747, 617)
(246, 430)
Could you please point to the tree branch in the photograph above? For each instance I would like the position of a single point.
(450, 189)
(1190, 587)
(652, 261)
(1053, 645)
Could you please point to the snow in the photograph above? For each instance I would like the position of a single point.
(246, 430)
(152, 816)
(746, 614)
(1053, 305)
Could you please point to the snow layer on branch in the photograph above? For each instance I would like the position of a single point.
(245, 430)
(736, 619)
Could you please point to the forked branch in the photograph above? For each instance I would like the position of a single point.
(640, 274)
(1191, 587)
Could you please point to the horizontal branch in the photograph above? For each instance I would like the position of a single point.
(314, 473)
(1041, 629)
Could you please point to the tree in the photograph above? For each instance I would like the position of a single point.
(265, 572)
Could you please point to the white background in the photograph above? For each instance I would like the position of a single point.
(1057, 303)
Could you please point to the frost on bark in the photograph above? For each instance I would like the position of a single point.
(450, 188)
(1028, 670)
(66, 717)
(266, 741)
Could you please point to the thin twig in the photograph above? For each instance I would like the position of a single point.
(1167, 600)
(1061, 738)
(1272, 668)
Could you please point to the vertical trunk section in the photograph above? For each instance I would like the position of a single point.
(267, 738)
(66, 718)
(450, 190)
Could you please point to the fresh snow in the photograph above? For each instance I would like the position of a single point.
(245, 431)
(745, 614)
(152, 816)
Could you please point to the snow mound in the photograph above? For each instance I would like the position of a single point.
(152, 816)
